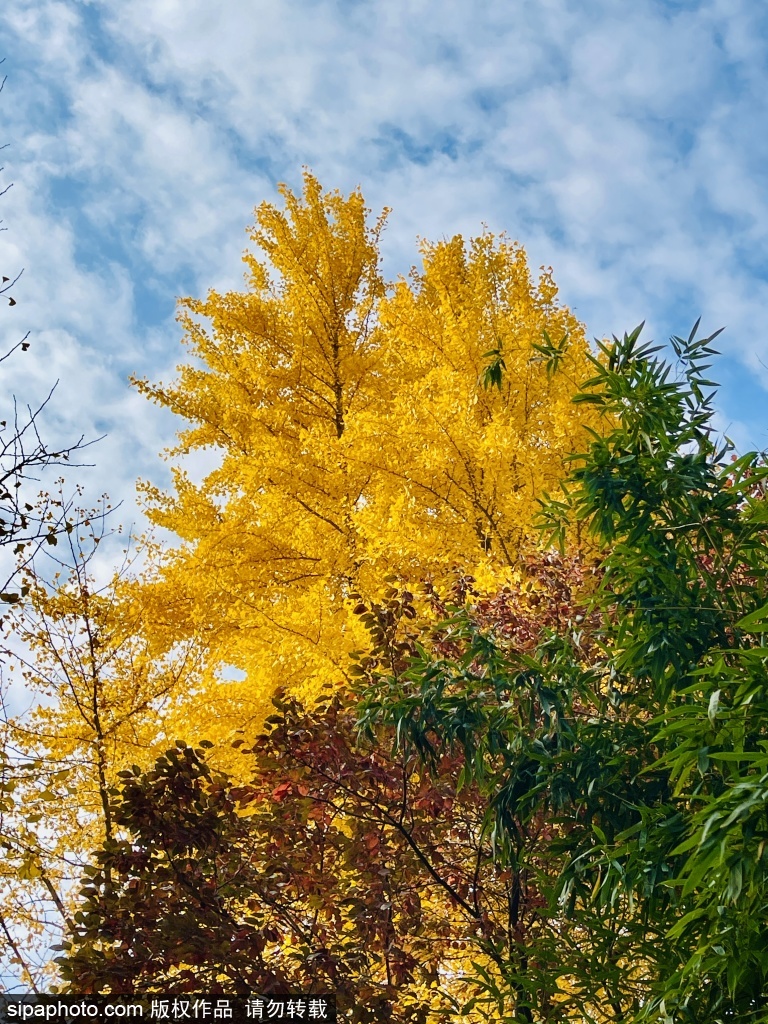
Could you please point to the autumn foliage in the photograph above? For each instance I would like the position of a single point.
(342, 864)
(448, 695)
(369, 439)
(365, 434)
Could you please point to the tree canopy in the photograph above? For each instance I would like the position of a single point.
(364, 434)
(498, 600)
(368, 439)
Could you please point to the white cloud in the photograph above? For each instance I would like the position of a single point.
(622, 147)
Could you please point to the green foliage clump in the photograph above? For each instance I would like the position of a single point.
(640, 731)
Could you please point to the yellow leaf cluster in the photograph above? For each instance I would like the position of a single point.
(357, 440)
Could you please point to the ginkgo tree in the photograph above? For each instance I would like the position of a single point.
(364, 435)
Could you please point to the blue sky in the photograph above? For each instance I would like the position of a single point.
(623, 144)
